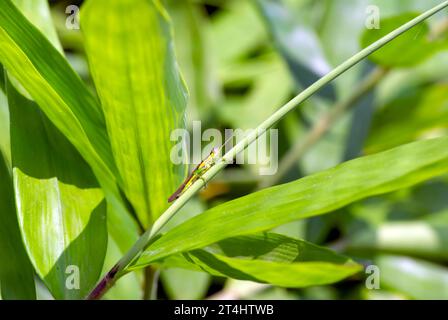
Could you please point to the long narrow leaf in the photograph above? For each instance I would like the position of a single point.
(62, 215)
(131, 58)
(60, 93)
(48, 175)
(313, 195)
(16, 271)
(269, 258)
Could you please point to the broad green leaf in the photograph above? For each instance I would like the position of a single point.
(426, 112)
(45, 74)
(62, 215)
(59, 176)
(417, 279)
(408, 50)
(311, 196)
(297, 43)
(143, 96)
(16, 271)
(269, 258)
(47, 77)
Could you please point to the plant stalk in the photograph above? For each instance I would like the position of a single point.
(119, 269)
(151, 283)
(321, 127)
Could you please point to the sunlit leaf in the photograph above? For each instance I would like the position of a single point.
(62, 215)
(409, 49)
(47, 77)
(143, 96)
(426, 112)
(16, 271)
(313, 195)
(269, 258)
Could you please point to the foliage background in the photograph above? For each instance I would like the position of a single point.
(241, 60)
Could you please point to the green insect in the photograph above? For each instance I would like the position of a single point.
(196, 174)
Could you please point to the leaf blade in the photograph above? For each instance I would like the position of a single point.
(418, 47)
(269, 258)
(50, 81)
(310, 196)
(60, 208)
(16, 271)
(148, 100)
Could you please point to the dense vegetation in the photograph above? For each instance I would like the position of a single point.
(357, 209)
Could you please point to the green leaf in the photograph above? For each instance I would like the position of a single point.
(29, 56)
(408, 50)
(426, 111)
(415, 278)
(311, 196)
(16, 271)
(45, 74)
(62, 215)
(143, 96)
(38, 13)
(269, 258)
(5, 147)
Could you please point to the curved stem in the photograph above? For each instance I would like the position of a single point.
(321, 127)
(148, 236)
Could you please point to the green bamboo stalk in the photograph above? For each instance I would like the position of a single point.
(119, 269)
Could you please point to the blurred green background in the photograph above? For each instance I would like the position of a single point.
(242, 59)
